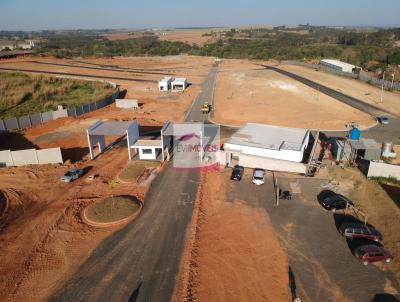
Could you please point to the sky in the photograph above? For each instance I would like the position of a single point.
(102, 14)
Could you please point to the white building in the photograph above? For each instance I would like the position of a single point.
(179, 84)
(17, 45)
(268, 147)
(165, 84)
(339, 65)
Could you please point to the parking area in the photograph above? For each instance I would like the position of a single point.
(321, 264)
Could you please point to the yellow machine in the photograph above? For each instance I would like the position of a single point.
(206, 108)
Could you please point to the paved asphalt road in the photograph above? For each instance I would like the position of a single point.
(319, 257)
(381, 133)
(141, 261)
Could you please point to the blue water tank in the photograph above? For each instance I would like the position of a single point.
(355, 134)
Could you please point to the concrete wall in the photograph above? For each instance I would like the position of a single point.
(40, 118)
(127, 104)
(288, 155)
(49, 156)
(250, 161)
(380, 169)
(30, 157)
(6, 158)
(24, 157)
(60, 113)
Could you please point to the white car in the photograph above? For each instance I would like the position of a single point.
(258, 177)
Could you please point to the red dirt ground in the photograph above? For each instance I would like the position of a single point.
(233, 253)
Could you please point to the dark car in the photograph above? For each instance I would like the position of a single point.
(237, 173)
(71, 175)
(372, 253)
(359, 230)
(336, 202)
(383, 120)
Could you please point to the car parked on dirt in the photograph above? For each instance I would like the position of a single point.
(383, 120)
(237, 173)
(372, 253)
(336, 202)
(71, 175)
(258, 177)
(359, 230)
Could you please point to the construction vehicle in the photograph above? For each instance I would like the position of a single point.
(205, 108)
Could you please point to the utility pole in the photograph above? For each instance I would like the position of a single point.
(391, 86)
(383, 82)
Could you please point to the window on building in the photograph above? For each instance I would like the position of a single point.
(147, 151)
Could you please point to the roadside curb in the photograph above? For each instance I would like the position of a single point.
(111, 224)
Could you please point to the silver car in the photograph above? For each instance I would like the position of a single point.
(258, 177)
(71, 175)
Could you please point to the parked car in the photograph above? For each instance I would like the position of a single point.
(383, 120)
(336, 202)
(372, 253)
(71, 175)
(237, 173)
(258, 177)
(359, 230)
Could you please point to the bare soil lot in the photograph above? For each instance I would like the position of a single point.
(43, 238)
(236, 255)
(246, 92)
(357, 89)
(138, 75)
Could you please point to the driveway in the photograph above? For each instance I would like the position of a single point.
(319, 257)
(141, 261)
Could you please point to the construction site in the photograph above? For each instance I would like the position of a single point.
(132, 227)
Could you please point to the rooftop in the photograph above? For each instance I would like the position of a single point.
(269, 137)
(180, 80)
(338, 63)
(110, 128)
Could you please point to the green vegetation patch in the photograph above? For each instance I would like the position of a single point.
(112, 209)
(134, 169)
(22, 94)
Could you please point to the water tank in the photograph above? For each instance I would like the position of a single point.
(355, 134)
(387, 147)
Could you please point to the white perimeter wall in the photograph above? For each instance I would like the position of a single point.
(250, 161)
(126, 104)
(377, 169)
(288, 155)
(30, 157)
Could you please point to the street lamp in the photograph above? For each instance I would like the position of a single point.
(383, 83)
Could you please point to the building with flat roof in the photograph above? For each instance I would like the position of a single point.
(179, 84)
(339, 65)
(269, 147)
(165, 84)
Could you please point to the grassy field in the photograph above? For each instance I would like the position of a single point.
(22, 94)
(112, 209)
(134, 169)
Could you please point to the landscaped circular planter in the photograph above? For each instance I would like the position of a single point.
(112, 211)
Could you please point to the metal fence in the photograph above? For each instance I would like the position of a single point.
(363, 76)
(28, 121)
